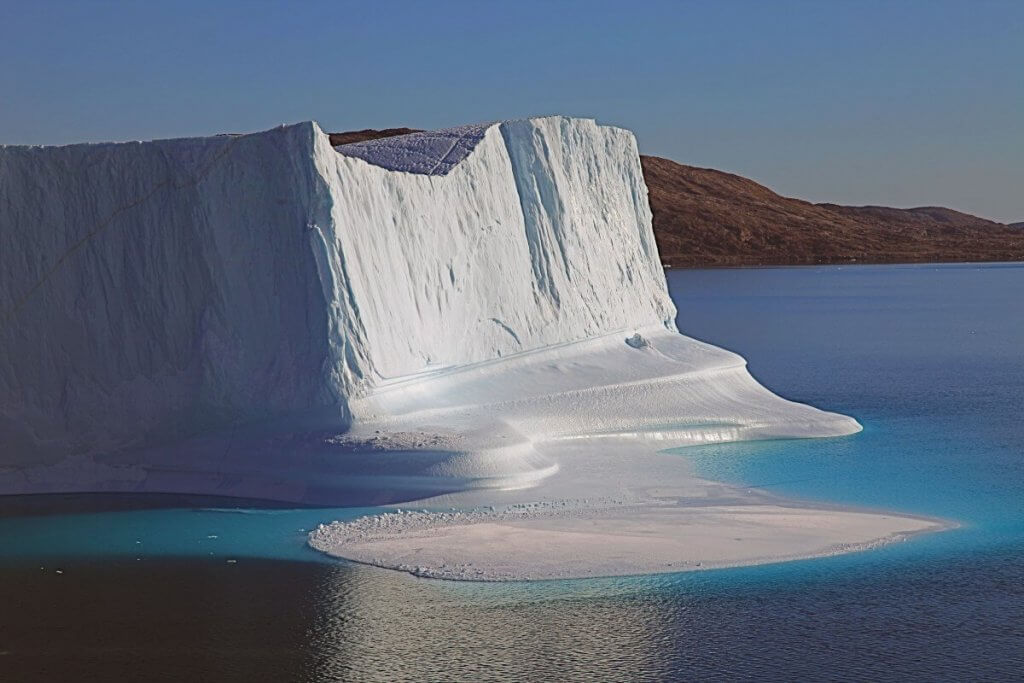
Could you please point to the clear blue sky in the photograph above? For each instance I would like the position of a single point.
(900, 103)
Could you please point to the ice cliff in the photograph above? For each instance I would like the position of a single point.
(190, 306)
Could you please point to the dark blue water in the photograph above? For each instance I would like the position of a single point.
(928, 358)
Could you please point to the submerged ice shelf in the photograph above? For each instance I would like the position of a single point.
(441, 316)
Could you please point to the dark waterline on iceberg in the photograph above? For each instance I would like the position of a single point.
(927, 357)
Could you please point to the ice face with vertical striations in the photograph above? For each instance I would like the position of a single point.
(243, 314)
(539, 235)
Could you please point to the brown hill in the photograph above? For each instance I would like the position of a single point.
(704, 217)
(707, 217)
(367, 134)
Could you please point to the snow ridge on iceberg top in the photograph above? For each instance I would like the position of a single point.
(429, 152)
(181, 139)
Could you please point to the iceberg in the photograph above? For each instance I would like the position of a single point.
(473, 317)
(266, 315)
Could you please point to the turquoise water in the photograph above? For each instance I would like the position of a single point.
(928, 358)
(225, 532)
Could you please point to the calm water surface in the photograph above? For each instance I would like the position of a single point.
(928, 358)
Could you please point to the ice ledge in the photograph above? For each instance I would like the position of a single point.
(567, 539)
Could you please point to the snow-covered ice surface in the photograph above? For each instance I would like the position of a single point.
(468, 316)
(583, 423)
(431, 152)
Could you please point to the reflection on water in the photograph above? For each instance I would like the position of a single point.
(262, 620)
(394, 627)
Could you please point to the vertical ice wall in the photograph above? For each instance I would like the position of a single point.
(541, 234)
(153, 290)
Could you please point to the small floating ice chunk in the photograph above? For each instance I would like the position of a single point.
(637, 341)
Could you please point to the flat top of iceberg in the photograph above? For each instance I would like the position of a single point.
(433, 152)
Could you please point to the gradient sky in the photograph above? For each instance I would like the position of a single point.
(898, 103)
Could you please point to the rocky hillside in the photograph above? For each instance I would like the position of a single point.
(704, 217)
(367, 134)
(707, 217)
